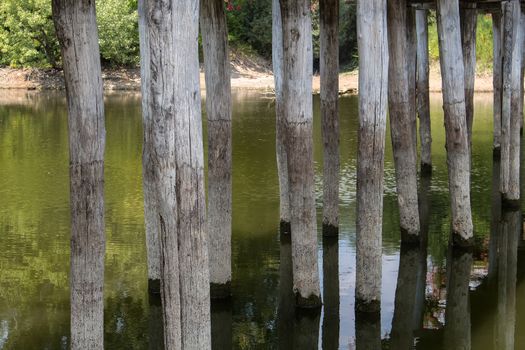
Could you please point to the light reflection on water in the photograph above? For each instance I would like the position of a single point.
(34, 234)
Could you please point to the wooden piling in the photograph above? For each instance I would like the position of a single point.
(402, 121)
(214, 34)
(497, 77)
(422, 89)
(469, 22)
(76, 27)
(458, 155)
(297, 94)
(373, 90)
(329, 57)
(280, 126)
(411, 53)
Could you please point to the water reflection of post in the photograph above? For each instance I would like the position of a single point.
(155, 325)
(494, 222)
(330, 293)
(306, 329)
(367, 330)
(457, 312)
(285, 311)
(221, 324)
(510, 230)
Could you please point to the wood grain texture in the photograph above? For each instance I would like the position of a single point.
(497, 75)
(469, 22)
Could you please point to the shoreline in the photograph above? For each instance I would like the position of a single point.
(242, 79)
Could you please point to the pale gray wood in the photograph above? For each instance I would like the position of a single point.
(179, 172)
(469, 22)
(297, 95)
(497, 31)
(423, 96)
(329, 61)
(411, 52)
(214, 34)
(76, 27)
(458, 151)
(402, 120)
(148, 176)
(373, 92)
(280, 130)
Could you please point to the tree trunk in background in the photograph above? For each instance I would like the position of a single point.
(218, 105)
(373, 84)
(280, 130)
(401, 121)
(497, 78)
(423, 97)
(179, 174)
(329, 57)
(148, 176)
(458, 150)
(510, 138)
(76, 27)
(297, 93)
(469, 22)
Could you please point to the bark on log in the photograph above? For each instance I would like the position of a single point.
(423, 97)
(402, 121)
(497, 79)
(280, 129)
(373, 84)
(218, 105)
(458, 150)
(329, 57)
(179, 172)
(297, 94)
(469, 22)
(148, 176)
(76, 27)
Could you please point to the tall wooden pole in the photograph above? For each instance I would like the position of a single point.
(411, 52)
(497, 75)
(76, 27)
(469, 22)
(373, 85)
(329, 57)
(280, 130)
(297, 93)
(214, 33)
(422, 88)
(148, 175)
(458, 150)
(402, 121)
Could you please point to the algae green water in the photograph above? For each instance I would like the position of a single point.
(34, 241)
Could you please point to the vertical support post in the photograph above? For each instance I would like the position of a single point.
(297, 93)
(373, 92)
(510, 119)
(497, 77)
(76, 27)
(214, 34)
(329, 57)
(411, 52)
(280, 125)
(422, 89)
(148, 175)
(402, 121)
(469, 22)
(458, 152)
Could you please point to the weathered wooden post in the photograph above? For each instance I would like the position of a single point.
(76, 27)
(280, 129)
(458, 153)
(469, 22)
(373, 85)
(179, 172)
(148, 176)
(423, 97)
(330, 293)
(402, 121)
(329, 57)
(297, 93)
(411, 54)
(497, 77)
(457, 312)
(510, 119)
(214, 33)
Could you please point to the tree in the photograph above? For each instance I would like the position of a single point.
(76, 27)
